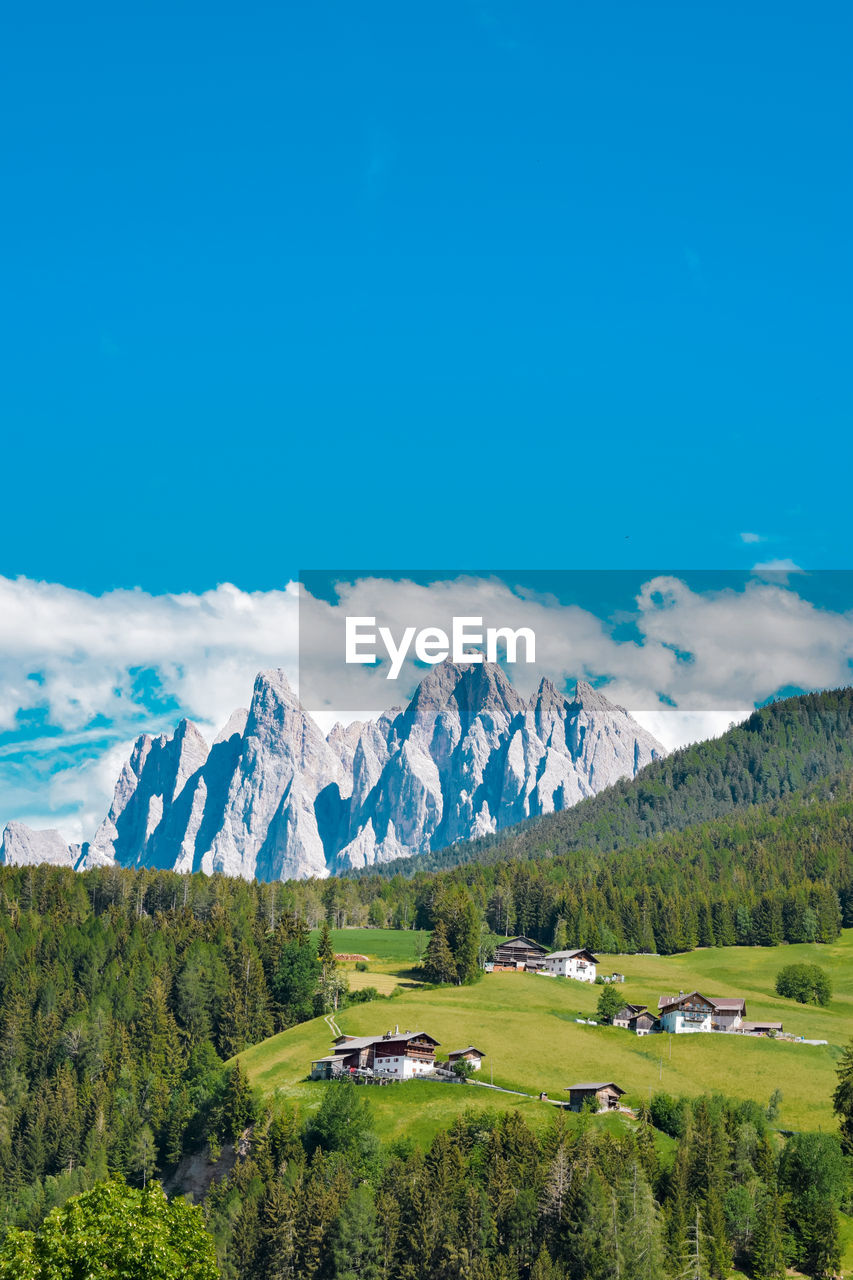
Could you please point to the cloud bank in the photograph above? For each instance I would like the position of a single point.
(81, 675)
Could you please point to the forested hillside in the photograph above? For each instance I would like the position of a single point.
(120, 996)
(493, 1200)
(780, 871)
(779, 749)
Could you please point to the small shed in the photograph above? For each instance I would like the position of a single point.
(605, 1094)
(644, 1023)
(326, 1068)
(471, 1055)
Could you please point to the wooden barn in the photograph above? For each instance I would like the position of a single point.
(606, 1096)
(471, 1055)
(637, 1018)
(520, 953)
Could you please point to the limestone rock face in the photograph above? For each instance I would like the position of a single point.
(468, 756)
(269, 824)
(136, 831)
(24, 847)
(274, 799)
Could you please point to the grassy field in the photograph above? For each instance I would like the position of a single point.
(393, 955)
(526, 1026)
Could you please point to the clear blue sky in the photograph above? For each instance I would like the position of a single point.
(558, 285)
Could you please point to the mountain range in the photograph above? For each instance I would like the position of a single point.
(274, 799)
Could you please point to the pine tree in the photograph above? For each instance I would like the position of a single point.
(677, 1215)
(717, 1249)
(239, 1107)
(439, 965)
(842, 1099)
(641, 1228)
(767, 1253)
(325, 952)
(275, 1257)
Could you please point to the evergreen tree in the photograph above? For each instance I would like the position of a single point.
(357, 1243)
(325, 952)
(767, 1254)
(239, 1108)
(275, 1257)
(342, 1121)
(842, 1099)
(439, 965)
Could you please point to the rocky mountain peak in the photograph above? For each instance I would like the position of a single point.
(272, 798)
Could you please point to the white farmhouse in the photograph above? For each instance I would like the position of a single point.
(695, 1012)
(580, 965)
(400, 1054)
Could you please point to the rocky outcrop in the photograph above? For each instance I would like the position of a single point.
(24, 847)
(274, 799)
(469, 756)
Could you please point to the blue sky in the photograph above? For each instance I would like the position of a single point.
(549, 286)
(555, 285)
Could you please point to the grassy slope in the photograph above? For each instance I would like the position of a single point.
(526, 1026)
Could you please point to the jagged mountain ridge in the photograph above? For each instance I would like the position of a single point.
(273, 799)
(781, 749)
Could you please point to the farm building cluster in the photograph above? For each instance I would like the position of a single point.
(524, 955)
(691, 1012)
(395, 1055)
(407, 1055)
(686, 1012)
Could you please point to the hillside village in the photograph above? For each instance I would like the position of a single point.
(680, 1014)
(397, 1055)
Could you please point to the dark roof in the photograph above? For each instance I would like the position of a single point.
(631, 1010)
(507, 942)
(346, 1043)
(455, 1053)
(593, 1088)
(722, 1004)
(759, 1026)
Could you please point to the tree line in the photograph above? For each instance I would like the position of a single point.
(121, 997)
(776, 872)
(494, 1199)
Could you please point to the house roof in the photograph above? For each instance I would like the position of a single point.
(329, 1057)
(632, 1010)
(760, 1026)
(455, 1053)
(722, 1004)
(344, 1044)
(567, 955)
(644, 1013)
(593, 1088)
(507, 942)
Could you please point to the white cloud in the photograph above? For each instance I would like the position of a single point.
(752, 537)
(72, 661)
(778, 569)
(75, 656)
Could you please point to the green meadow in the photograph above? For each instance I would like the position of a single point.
(526, 1026)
